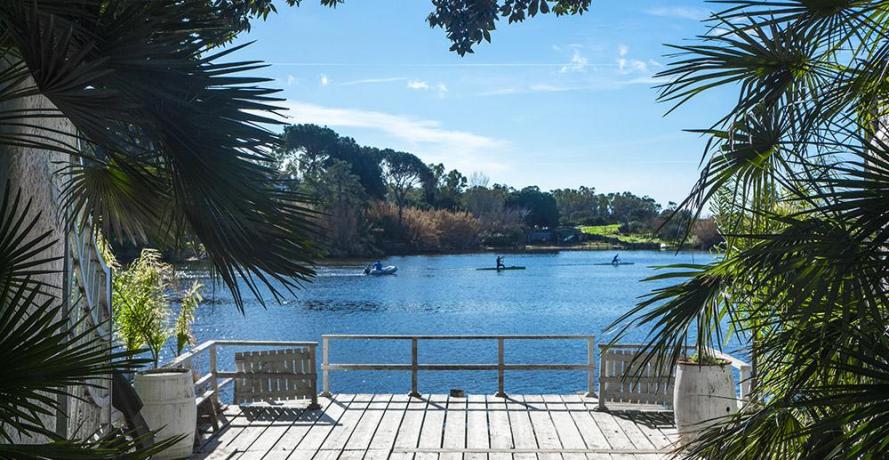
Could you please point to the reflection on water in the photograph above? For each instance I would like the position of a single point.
(340, 305)
(559, 293)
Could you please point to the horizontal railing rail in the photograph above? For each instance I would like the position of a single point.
(207, 386)
(501, 366)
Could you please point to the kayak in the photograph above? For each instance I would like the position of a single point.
(387, 270)
(513, 267)
(619, 263)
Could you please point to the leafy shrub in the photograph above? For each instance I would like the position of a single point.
(426, 230)
(140, 303)
(141, 307)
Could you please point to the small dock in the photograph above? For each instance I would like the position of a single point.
(277, 412)
(437, 426)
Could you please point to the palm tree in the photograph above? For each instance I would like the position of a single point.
(156, 135)
(42, 354)
(798, 175)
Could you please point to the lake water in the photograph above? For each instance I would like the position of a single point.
(562, 293)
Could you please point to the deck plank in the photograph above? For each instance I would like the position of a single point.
(589, 430)
(293, 435)
(336, 440)
(234, 422)
(266, 440)
(636, 436)
(384, 439)
(261, 420)
(408, 436)
(522, 430)
(433, 426)
(476, 427)
(215, 439)
(499, 428)
(384, 426)
(367, 427)
(544, 430)
(567, 430)
(308, 442)
(455, 428)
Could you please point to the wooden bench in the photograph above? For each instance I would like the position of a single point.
(650, 389)
(276, 375)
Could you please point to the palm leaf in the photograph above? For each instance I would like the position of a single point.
(138, 83)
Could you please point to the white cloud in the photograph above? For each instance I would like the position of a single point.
(679, 12)
(590, 86)
(291, 80)
(368, 81)
(417, 84)
(426, 138)
(324, 81)
(627, 65)
(578, 63)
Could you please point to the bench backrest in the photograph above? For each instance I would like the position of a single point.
(652, 387)
(275, 375)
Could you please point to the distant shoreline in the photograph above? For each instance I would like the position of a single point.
(337, 261)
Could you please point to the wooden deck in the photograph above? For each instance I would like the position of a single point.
(437, 427)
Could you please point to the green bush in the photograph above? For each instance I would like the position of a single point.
(142, 312)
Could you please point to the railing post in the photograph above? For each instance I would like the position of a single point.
(501, 362)
(325, 366)
(214, 381)
(745, 373)
(313, 369)
(591, 367)
(414, 368)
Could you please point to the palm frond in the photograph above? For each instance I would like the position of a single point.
(40, 352)
(166, 115)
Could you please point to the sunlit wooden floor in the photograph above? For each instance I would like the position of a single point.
(521, 427)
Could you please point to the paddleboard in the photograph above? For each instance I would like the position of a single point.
(501, 269)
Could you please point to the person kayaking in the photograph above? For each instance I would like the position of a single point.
(616, 260)
(500, 264)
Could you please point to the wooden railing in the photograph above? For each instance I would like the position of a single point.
(621, 381)
(415, 366)
(89, 278)
(208, 385)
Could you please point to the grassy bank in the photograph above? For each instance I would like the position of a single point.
(613, 231)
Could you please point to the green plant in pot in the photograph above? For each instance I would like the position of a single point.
(143, 318)
(704, 389)
(703, 393)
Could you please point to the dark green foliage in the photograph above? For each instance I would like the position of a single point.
(468, 22)
(404, 171)
(321, 146)
(541, 206)
(796, 174)
(44, 355)
(174, 145)
(578, 206)
(448, 188)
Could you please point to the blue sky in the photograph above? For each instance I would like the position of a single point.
(553, 102)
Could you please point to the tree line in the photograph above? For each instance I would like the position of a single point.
(375, 199)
